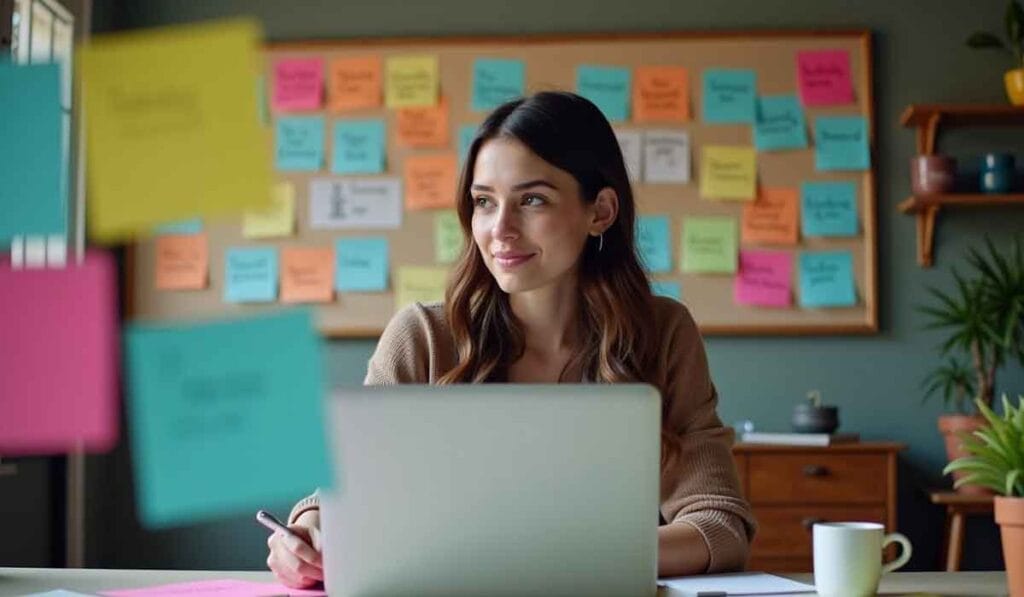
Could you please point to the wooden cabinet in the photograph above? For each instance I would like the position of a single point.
(790, 488)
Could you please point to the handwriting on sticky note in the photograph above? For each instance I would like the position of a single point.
(430, 181)
(772, 218)
(828, 208)
(765, 279)
(298, 84)
(299, 143)
(841, 143)
(307, 274)
(448, 236)
(824, 77)
(729, 96)
(362, 264)
(354, 84)
(666, 156)
(425, 126)
(411, 81)
(496, 81)
(419, 284)
(250, 274)
(780, 124)
(182, 262)
(826, 279)
(608, 87)
(278, 220)
(359, 147)
(653, 242)
(355, 203)
(661, 94)
(728, 173)
(709, 244)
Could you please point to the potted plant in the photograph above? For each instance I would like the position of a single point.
(995, 459)
(984, 318)
(1013, 44)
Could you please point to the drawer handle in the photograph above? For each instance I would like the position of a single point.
(815, 470)
(809, 522)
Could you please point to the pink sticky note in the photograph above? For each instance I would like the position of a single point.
(298, 84)
(215, 588)
(58, 357)
(765, 278)
(824, 77)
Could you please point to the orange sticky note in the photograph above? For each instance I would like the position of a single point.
(661, 94)
(430, 181)
(425, 126)
(307, 275)
(354, 84)
(771, 218)
(182, 262)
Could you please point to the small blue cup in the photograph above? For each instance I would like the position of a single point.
(997, 173)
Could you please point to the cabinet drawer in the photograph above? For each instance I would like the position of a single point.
(817, 478)
(785, 532)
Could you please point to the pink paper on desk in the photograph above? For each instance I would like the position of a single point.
(215, 588)
(58, 357)
(765, 279)
(298, 84)
(824, 77)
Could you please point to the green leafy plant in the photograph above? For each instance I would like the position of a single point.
(954, 379)
(1014, 42)
(995, 452)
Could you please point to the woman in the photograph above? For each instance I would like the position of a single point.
(551, 290)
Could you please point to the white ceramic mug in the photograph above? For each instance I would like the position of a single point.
(848, 557)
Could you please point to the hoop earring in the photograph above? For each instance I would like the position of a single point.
(600, 242)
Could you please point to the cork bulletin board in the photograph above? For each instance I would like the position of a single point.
(551, 63)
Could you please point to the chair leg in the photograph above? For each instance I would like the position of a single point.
(956, 542)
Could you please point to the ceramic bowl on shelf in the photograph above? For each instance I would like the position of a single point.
(932, 174)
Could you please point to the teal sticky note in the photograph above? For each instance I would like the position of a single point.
(250, 275)
(826, 279)
(467, 133)
(299, 143)
(222, 420)
(653, 244)
(673, 290)
(362, 264)
(496, 81)
(780, 123)
(609, 87)
(828, 209)
(31, 202)
(190, 226)
(841, 143)
(358, 147)
(729, 96)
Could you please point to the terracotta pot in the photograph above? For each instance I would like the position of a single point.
(1010, 517)
(953, 427)
(1014, 80)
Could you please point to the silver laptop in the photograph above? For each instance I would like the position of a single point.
(493, 490)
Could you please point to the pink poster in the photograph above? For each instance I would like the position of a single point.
(58, 357)
(824, 77)
(764, 279)
(298, 84)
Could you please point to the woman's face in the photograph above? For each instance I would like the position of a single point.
(529, 220)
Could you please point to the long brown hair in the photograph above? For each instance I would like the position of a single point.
(617, 342)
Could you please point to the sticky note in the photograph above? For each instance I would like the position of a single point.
(467, 133)
(298, 84)
(673, 290)
(362, 264)
(31, 200)
(661, 94)
(358, 147)
(729, 96)
(430, 181)
(411, 81)
(772, 218)
(250, 274)
(216, 588)
(780, 123)
(423, 127)
(167, 142)
(653, 242)
(496, 81)
(765, 279)
(608, 87)
(278, 220)
(828, 208)
(203, 401)
(189, 226)
(307, 274)
(728, 173)
(60, 358)
(841, 143)
(709, 244)
(354, 84)
(182, 262)
(826, 279)
(299, 143)
(419, 285)
(448, 237)
(666, 156)
(631, 145)
(355, 203)
(824, 77)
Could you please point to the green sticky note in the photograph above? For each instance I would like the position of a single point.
(609, 87)
(447, 236)
(362, 264)
(299, 143)
(841, 143)
(710, 245)
(826, 279)
(358, 147)
(250, 275)
(222, 420)
(729, 96)
(780, 123)
(496, 81)
(653, 244)
(673, 290)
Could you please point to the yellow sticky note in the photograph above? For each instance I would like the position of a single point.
(279, 220)
(728, 172)
(411, 81)
(419, 284)
(168, 141)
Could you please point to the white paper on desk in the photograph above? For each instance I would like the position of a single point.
(355, 203)
(741, 583)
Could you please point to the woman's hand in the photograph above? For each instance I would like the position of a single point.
(296, 563)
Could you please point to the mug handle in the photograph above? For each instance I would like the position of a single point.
(905, 551)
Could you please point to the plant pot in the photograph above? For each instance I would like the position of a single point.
(932, 174)
(953, 427)
(1014, 80)
(1009, 513)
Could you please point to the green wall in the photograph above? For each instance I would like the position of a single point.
(919, 57)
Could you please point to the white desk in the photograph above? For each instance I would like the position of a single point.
(20, 581)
